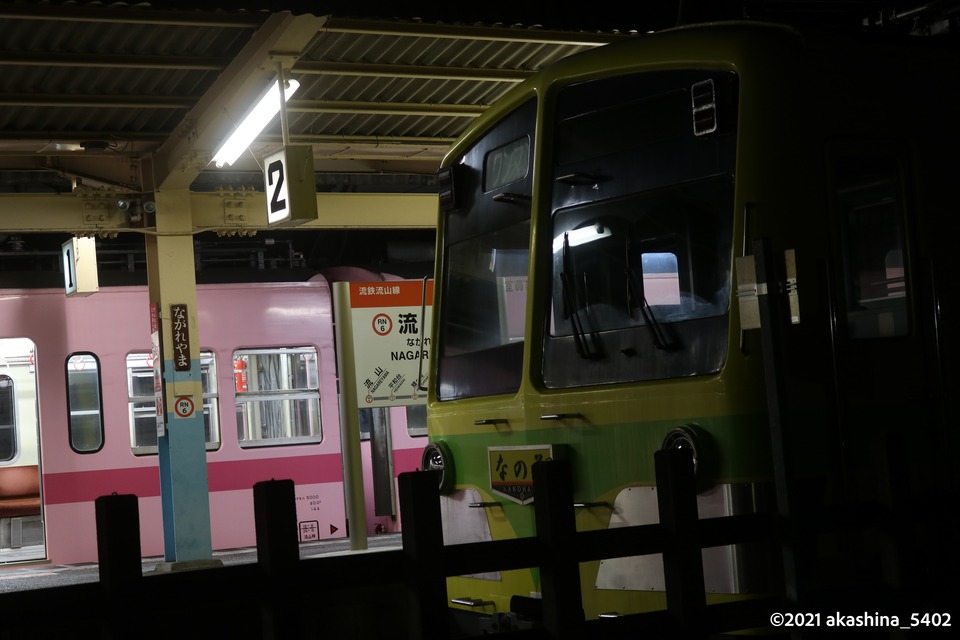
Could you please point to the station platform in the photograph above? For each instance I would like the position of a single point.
(26, 577)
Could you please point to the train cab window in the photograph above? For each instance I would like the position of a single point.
(872, 227)
(84, 406)
(642, 227)
(484, 281)
(278, 398)
(8, 420)
(142, 404)
(641, 286)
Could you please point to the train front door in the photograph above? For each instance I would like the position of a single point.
(21, 516)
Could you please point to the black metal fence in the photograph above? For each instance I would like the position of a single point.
(401, 593)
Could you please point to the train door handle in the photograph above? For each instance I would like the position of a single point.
(512, 198)
(487, 421)
(483, 505)
(562, 416)
(592, 505)
(472, 602)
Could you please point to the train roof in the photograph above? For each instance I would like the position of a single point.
(732, 43)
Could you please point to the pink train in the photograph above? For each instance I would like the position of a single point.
(77, 417)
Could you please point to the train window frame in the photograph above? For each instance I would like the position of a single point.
(634, 183)
(308, 395)
(481, 344)
(18, 363)
(145, 403)
(75, 430)
(416, 415)
(8, 398)
(486, 263)
(589, 340)
(868, 192)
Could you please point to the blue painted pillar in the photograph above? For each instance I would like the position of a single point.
(180, 429)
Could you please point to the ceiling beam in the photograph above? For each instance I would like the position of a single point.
(416, 72)
(386, 108)
(39, 146)
(131, 15)
(97, 212)
(111, 61)
(31, 136)
(527, 35)
(83, 101)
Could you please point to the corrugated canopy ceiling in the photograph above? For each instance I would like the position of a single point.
(138, 98)
(135, 97)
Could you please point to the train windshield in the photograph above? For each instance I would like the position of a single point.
(642, 227)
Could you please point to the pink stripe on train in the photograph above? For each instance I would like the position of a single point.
(144, 482)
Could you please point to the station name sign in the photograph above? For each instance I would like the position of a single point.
(391, 323)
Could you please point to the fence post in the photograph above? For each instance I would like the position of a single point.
(275, 521)
(119, 562)
(422, 536)
(556, 531)
(682, 558)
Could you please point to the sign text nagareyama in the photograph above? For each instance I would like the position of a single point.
(391, 336)
(181, 337)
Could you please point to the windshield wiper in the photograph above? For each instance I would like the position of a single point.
(660, 339)
(571, 308)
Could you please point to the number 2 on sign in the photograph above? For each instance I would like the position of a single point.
(277, 203)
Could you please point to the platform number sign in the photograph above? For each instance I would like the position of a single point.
(276, 180)
(291, 185)
(80, 267)
(70, 266)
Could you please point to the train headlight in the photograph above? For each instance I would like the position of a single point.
(699, 443)
(436, 457)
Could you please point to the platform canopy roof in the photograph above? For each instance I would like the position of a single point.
(135, 98)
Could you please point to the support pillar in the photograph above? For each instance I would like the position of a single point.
(181, 440)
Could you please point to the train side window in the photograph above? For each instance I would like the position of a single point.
(869, 195)
(8, 420)
(278, 402)
(416, 420)
(142, 403)
(84, 403)
(486, 240)
(485, 289)
(211, 399)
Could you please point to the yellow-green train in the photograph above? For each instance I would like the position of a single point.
(593, 303)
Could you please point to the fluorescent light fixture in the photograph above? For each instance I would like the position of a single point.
(254, 123)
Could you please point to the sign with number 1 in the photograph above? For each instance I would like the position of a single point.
(80, 267)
